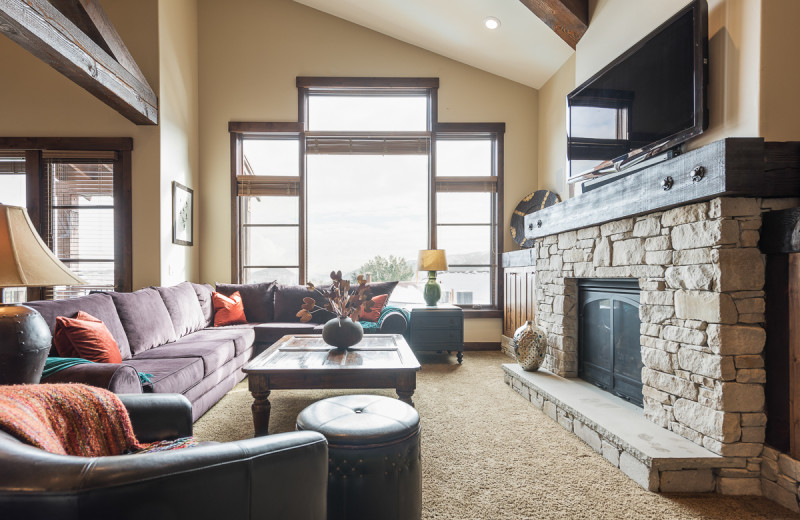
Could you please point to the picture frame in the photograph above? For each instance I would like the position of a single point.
(182, 214)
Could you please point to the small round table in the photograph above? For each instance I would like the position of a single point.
(373, 456)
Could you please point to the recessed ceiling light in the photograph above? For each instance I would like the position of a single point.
(491, 22)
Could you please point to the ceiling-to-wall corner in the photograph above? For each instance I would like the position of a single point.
(179, 137)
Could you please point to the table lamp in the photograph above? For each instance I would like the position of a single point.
(25, 261)
(432, 260)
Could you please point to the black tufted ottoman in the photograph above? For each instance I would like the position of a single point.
(374, 456)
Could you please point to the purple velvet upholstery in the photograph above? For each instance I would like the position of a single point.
(257, 299)
(98, 305)
(120, 379)
(203, 292)
(289, 298)
(241, 335)
(145, 319)
(175, 375)
(183, 307)
(214, 353)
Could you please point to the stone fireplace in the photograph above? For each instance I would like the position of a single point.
(702, 302)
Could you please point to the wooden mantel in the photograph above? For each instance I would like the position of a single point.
(728, 168)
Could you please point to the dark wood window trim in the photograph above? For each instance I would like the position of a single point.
(306, 85)
(123, 225)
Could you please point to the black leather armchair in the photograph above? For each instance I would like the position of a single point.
(281, 476)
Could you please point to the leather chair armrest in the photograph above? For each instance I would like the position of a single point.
(394, 322)
(158, 417)
(276, 476)
(118, 378)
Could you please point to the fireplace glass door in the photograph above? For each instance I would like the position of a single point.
(609, 352)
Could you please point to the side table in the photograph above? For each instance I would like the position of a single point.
(437, 328)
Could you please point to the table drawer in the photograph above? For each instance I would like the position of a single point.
(436, 336)
(437, 322)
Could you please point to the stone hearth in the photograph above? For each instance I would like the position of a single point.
(701, 277)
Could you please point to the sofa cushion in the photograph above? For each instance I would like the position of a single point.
(228, 310)
(145, 319)
(203, 292)
(172, 375)
(289, 298)
(242, 336)
(183, 307)
(85, 337)
(214, 353)
(256, 297)
(99, 305)
(378, 302)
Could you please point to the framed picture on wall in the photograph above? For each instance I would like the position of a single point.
(182, 225)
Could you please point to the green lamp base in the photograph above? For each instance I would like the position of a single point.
(432, 292)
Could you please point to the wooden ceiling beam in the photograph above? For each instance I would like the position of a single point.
(569, 19)
(48, 34)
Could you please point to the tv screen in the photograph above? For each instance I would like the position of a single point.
(645, 102)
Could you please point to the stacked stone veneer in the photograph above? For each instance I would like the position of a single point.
(701, 276)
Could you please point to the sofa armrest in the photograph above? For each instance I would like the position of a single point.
(118, 378)
(157, 417)
(276, 476)
(395, 321)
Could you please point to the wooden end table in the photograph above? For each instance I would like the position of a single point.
(438, 328)
(306, 362)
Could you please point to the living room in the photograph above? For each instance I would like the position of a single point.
(212, 63)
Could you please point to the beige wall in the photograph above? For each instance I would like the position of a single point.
(735, 73)
(780, 78)
(37, 101)
(178, 98)
(553, 129)
(251, 51)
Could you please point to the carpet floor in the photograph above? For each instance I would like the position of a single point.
(487, 454)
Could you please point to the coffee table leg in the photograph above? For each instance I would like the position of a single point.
(405, 387)
(261, 408)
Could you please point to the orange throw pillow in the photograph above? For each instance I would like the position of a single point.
(228, 310)
(378, 303)
(86, 337)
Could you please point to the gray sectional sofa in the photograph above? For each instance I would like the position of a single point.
(168, 333)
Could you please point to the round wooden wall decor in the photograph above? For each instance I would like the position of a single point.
(537, 200)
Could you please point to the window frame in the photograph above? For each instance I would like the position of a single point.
(38, 205)
(239, 131)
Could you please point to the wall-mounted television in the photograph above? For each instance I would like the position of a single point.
(648, 101)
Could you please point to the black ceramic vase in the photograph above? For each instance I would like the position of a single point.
(342, 333)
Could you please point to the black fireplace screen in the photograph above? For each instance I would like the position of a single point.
(609, 352)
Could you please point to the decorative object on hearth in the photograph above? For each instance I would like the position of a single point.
(182, 208)
(25, 261)
(432, 260)
(346, 303)
(530, 345)
(537, 200)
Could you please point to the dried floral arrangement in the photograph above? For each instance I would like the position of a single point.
(340, 300)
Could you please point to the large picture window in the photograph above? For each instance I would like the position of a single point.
(361, 183)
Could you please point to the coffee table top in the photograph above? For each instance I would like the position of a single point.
(307, 352)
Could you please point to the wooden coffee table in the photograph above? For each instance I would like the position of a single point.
(306, 362)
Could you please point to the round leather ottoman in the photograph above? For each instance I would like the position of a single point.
(374, 461)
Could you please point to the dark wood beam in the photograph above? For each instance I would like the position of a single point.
(569, 19)
(48, 34)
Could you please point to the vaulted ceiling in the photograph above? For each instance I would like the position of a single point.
(534, 39)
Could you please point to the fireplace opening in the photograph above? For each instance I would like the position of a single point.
(609, 350)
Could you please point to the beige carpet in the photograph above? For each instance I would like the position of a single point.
(488, 454)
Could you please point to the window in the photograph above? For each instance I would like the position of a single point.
(77, 192)
(365, 180)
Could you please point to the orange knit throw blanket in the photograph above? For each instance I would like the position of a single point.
(68, 419)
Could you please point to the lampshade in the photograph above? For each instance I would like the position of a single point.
(25, 260)
(432, 260)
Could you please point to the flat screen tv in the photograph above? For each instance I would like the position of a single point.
(646, 102)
